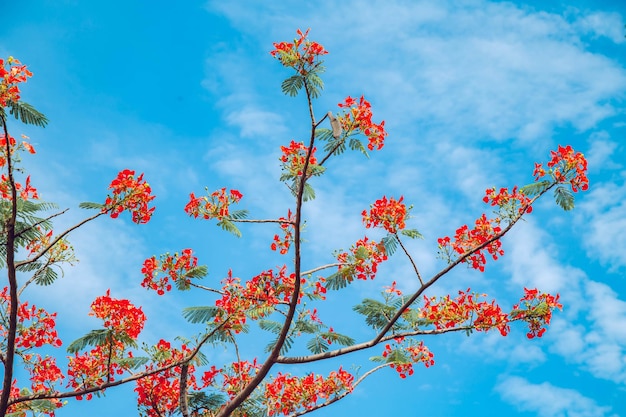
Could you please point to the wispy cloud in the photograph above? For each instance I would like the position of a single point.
(547, 400)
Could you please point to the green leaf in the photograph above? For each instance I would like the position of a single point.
(200, 314)
(338, 146)
(132, 363)
(229, 226)
(199, 271)
(200, 400)
(317, 345)
(306, 326)
(338, 280)
(534, 189)
(390, 243)
(292, 85)
(46, 277)
(564, 198)
(338, 338)
(323, 134)
(270, 326)
(97, 337)
(376, 314)
(27, 114)
(91, 206)
(309, 192)
(286, 346)
(238, 214)
(412, 233)
(356, 145)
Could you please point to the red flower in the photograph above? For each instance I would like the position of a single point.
(357, 118)
(389, 214)
(132, 194)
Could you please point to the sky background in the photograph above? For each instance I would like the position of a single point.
(472, 93)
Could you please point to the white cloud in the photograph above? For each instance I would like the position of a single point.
(601, 151)
(602, 215)
(547, 400)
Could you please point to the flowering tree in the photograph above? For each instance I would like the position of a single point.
(282, 302)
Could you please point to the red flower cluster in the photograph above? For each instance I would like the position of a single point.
(215, 206)
(36, 327)
(466, 240)
(11, 74)
(159, 394)
(261, 293)
(301, 54)
(132, 194)
(94, 368)
(294, 157)
(362, 260)
(390, 214)
(286, 394)
(505, 200)
(465, 309)
(416, 353)
(238, 375)
(174, 267)
(358, 117)
(285, 242)
(537, 311)
(566, 165)
(119, 315)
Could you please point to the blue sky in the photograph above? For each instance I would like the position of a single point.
(472, 92)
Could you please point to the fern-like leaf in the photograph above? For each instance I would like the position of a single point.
(564, 198)
(91, 206)
(96, 337)
(27, 114)
(292, 85)
(200, 314)
(390, 244)
(534, 189)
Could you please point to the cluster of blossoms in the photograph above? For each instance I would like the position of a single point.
(362, 260)
(123, 320)
(284, 243)
(174, 267)
(119, 315)
(509, 204)
(215, 206)
(159, 394)
(389, 214)
(257, 296)
(301, 54)
(566, 165)
(287, 394)
(95, 367)
(238, 375)
(467, 240)
(294, 157)
(466, 309)
(36, 327)
(411, 354)
(537, 310)
(357, 117)
(132, 194)
(12, 72)
(26, 191)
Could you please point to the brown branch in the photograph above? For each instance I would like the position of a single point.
(57, 239)
(234, 403)
(183, 404)
(12, 278)
(382, 334)
(343, 394)
(134, 377)
(408, 255)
